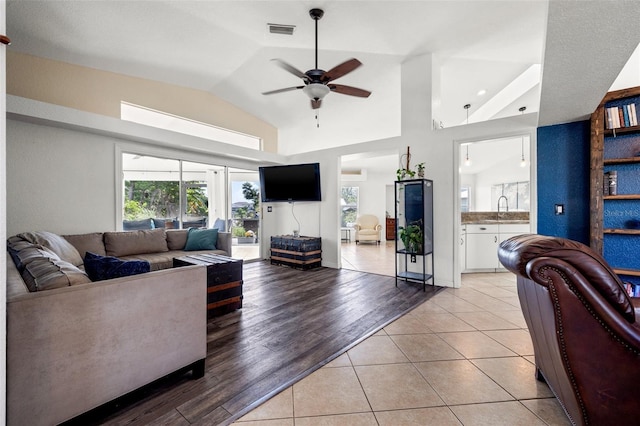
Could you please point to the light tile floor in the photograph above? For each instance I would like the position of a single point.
(464, 357)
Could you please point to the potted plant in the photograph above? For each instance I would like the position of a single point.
(412, 237)
(402, 174)
(249, 237)
(420, 168)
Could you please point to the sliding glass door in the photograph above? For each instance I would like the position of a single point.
(170, 193)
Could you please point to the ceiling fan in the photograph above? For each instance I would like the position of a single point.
(317, 82)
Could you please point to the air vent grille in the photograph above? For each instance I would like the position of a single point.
(281, 29)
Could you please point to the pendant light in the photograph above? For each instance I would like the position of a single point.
(467, 161)
(523, 162)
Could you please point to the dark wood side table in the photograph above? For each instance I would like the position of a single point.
(224, 281)
(390, 228)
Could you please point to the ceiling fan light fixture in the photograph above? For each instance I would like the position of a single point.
(316, 91)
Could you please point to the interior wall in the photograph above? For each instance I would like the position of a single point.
(100, 92)
(65, 181)
(564, 158)
(59, 180)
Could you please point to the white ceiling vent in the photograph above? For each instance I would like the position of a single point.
(281, 29)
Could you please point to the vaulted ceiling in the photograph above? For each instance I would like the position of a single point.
(555, 57)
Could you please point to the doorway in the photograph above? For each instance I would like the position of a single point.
(369, 175)
(494, 176)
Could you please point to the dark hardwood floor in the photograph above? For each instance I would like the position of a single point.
(292, 323)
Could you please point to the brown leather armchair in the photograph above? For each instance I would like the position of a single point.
(583, 326)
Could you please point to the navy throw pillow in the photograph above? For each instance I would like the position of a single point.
(101, 268)
(201, 239)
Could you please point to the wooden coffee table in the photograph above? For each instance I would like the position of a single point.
(224, 281)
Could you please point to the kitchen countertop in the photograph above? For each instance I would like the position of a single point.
(486, 218)
(494, 221)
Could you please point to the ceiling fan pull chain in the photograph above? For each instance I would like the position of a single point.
(318, 118)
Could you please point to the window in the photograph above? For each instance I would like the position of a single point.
(464, 198)
(517, 194)
(349, 204)
(169, 193)
(163, 120)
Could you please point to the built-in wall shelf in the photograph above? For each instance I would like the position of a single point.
(622, 197)
(616, 150)
(629, 160)
(621, 130)
(630, 272)
(621, 231)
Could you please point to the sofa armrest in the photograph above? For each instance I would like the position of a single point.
(101, 340)
(224, 242)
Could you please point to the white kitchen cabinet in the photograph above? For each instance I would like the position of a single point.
(462, 253)
(481, 245)
(482, 241)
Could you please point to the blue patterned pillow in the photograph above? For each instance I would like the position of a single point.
(201, 239)
(107, 267)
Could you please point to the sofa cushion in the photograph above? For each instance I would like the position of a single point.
(107, 267)
(201, 239)
(135, 242)
(16, 243)
(63, 248)
(177, 239)
(164, 260)
(92, 242)
(46, 274)
(25, 256)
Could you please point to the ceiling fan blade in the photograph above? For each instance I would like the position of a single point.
(288, 89)
(315, 104)
(349, 90)
(339, 70)
(293, 70)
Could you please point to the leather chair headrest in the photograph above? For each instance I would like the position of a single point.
(516, 252)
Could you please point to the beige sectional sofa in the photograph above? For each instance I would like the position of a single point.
(74, 344)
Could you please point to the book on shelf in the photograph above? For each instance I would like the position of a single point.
(621, 116)
(633, 290)
(610, 183)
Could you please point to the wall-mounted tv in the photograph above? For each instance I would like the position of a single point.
(297, 182)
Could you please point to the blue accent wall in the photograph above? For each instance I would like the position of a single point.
(563, 157)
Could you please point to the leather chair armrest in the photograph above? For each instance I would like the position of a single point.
(635, 302)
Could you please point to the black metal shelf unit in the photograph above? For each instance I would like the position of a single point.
(414, 231)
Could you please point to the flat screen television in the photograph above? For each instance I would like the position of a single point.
(297, 182)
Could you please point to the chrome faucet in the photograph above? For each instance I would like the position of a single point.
(506, 203)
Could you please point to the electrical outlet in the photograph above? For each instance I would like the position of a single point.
(413, 258)
(559, 209)
(269, 209)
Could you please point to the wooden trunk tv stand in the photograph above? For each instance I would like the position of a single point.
(297, 252)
